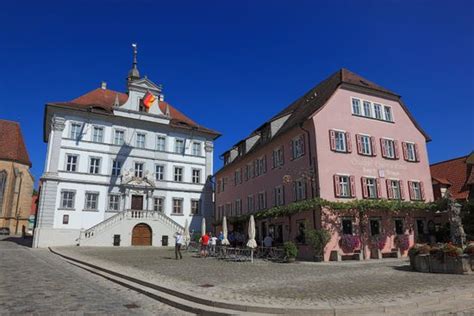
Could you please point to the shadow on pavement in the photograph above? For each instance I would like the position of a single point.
(25, 242)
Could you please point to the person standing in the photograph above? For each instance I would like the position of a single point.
(177, 248)
(212, 244)
(204, 245)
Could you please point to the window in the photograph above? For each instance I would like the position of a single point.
(238, 207)
(71, 163)
(388, 113)
(177, 206)
(300, 190)
(197, 149)
(250, 203)
(65, 219)
(356, 107)
(98, 134)
(367, 109)
(399, 226)
(297, 147)
(420, 226)
(94, 165)
(260, 166)
(160, 143)
(394, 189)
(374, 227)
(279, 195)
(67, 199)
(158, 204)
(344, 186)
(410, 151)
(196, 176)
(300, 237)
(340, 141)
(141, 140)
(370, 188)
(91, 201)
(228, 209)
(195, 207)
(116, 167)
(76, 131)
(178, 174)
(277, 157)
(179, 146)
(250, 171)
(119, 137)
(378, 111)
(416, 190)
(139, 169)
(114, 202)
(347, 226)
(364, 143)
(389, 148)
(159, 172)
(262, 200)
(238, 176)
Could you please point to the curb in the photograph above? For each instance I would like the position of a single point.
(352, 309)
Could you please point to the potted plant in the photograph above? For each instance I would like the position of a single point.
(291, 251)
(318, 239)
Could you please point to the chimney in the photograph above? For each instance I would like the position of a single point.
(103, 85)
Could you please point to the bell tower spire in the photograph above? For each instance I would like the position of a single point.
(133, 74)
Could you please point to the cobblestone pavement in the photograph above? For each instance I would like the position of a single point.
(301, 284)
(34, 281)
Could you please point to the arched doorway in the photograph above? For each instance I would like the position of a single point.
(141, 235)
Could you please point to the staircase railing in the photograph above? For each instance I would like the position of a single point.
(130, 215)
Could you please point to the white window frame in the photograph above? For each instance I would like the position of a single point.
(159, 204)
(411, 151)
(389, 148)
(197, 153)
(138, 172)
(68, 199)
(198, 210)
(364, 108)
(96, 169)
(250, 203)
(88, 204)
(344, 186)
(139, 143)
(297, 146)
(110, 206)
(178, 176)
(358, 106)
(388, 118)
(371, 184)
(416, 189)
(177, 149)
(196, 179)
(98, 138)
(116, 171)
(396, 190)
(261, 200)
(74, 165)
(300, 189)
(344, 144)
(177, 204)
(119, 141)
(366, 147)
(73, 131)
(161, 142)
(159, 172)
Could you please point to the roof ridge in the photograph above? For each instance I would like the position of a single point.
(452, 159)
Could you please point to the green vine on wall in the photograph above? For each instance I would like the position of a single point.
(355, 205)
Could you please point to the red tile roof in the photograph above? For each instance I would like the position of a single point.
(104, 100)
(457, 172)
(12, 146)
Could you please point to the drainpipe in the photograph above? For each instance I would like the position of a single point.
(311, 168)
(17, 215)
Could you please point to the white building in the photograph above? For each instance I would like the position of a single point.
(115, 168)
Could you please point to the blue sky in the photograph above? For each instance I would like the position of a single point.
(230, 65)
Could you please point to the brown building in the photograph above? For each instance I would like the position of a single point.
(454, 176)
(16, 181)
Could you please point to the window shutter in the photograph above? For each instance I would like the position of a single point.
(359, 144)
(337, 189)
(282, 156)
(365, 191)
(305, 190)
(275, 202)
(402, 190)
(332, 139)
(395, 147)
(303, 144)
(389, 189)
(348, 142)
(383, 148)
(265, 164)
(405, 150)
(373, 146)
(410, 190)
(379, 188)
(353, 189)
(274, 159)
(417, 153)
(422, 190)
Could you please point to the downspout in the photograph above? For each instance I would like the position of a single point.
(18, 202)
(311, 168)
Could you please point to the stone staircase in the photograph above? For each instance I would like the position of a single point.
(122, 223)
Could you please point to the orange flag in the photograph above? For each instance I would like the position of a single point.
(148, 100)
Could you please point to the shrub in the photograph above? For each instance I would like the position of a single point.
(402, 241)
(419, 249)
(350, 242)
(291, 251)
(469, 249)
(451, 250)
(318, 239)
(379, 241)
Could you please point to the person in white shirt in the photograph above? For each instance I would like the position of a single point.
(177, 248)
(212, 244)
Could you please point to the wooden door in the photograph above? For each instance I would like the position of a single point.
(141, 235)
(137, 202)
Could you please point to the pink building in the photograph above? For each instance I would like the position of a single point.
(347, 138)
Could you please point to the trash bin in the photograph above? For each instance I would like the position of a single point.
(164, 240)
(116, 240)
